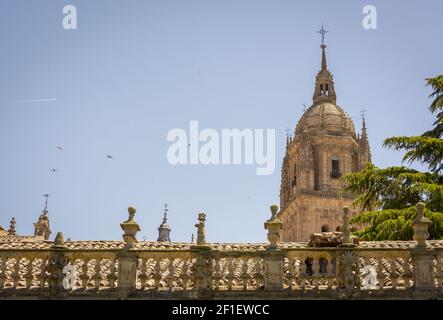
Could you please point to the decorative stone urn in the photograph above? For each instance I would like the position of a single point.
(346, 240)
(273, 225)
(130, 227)
(201, 238)
(420, 226)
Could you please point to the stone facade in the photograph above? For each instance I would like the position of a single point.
(325, 147)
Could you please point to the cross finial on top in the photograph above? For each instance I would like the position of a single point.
(165, 211)
(46, 202)
(322, 32)
(363, 112)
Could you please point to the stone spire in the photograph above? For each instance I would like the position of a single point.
(164, 229)
(285, 185)
(324, 83)
(324, 65)
(365, 150)
(41, 227)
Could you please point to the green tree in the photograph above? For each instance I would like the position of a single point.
(387, 197)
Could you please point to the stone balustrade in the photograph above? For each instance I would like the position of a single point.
(168, 270)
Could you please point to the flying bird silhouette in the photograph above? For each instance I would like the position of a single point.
(59, 148)
(54, 170)
(109, 157)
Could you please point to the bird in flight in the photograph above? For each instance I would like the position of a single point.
(54, 170)
(59, 148)
(109, 157)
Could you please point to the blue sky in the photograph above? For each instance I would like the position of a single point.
(134, 70)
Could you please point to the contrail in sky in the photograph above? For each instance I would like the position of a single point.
(33, 100)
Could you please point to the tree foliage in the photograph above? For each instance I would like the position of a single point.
(387, 196)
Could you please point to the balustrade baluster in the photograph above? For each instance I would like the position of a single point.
(3, 272)
(230, 276)
(439, 274)
(42, 276)
(97, 274)
(84, 277)
(394, 274)
(380, 275)
(16, 273)
(291, 274)
(29, 274)
(143, 275)
(111, 277)
(303, 273)
(184, 275)
(255, 274)
(330, 273)
(157, 276)
(170, 277)
(218, 274)
(316, 276)
(407, 273)
(245, 275)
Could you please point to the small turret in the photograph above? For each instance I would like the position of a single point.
(324, 82)
(41, 227)
(11, 230)
(164, 229)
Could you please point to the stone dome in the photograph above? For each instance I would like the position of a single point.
(326, 118)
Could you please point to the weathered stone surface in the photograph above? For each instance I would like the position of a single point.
(328, 239)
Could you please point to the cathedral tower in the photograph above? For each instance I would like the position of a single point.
(324, 147)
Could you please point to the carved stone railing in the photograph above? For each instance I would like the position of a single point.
(24, 270)
(319, 272)
(164, 270)
(373, 269)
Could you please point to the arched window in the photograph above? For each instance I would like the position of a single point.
(324, 228)
(335, 168)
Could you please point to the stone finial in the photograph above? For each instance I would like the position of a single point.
(347, 240)
(201, 239)
(420, 226)
(11, 230)
(273, 225)
(131, 214)
(59, 241)
(274, 210)
(130, 227)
